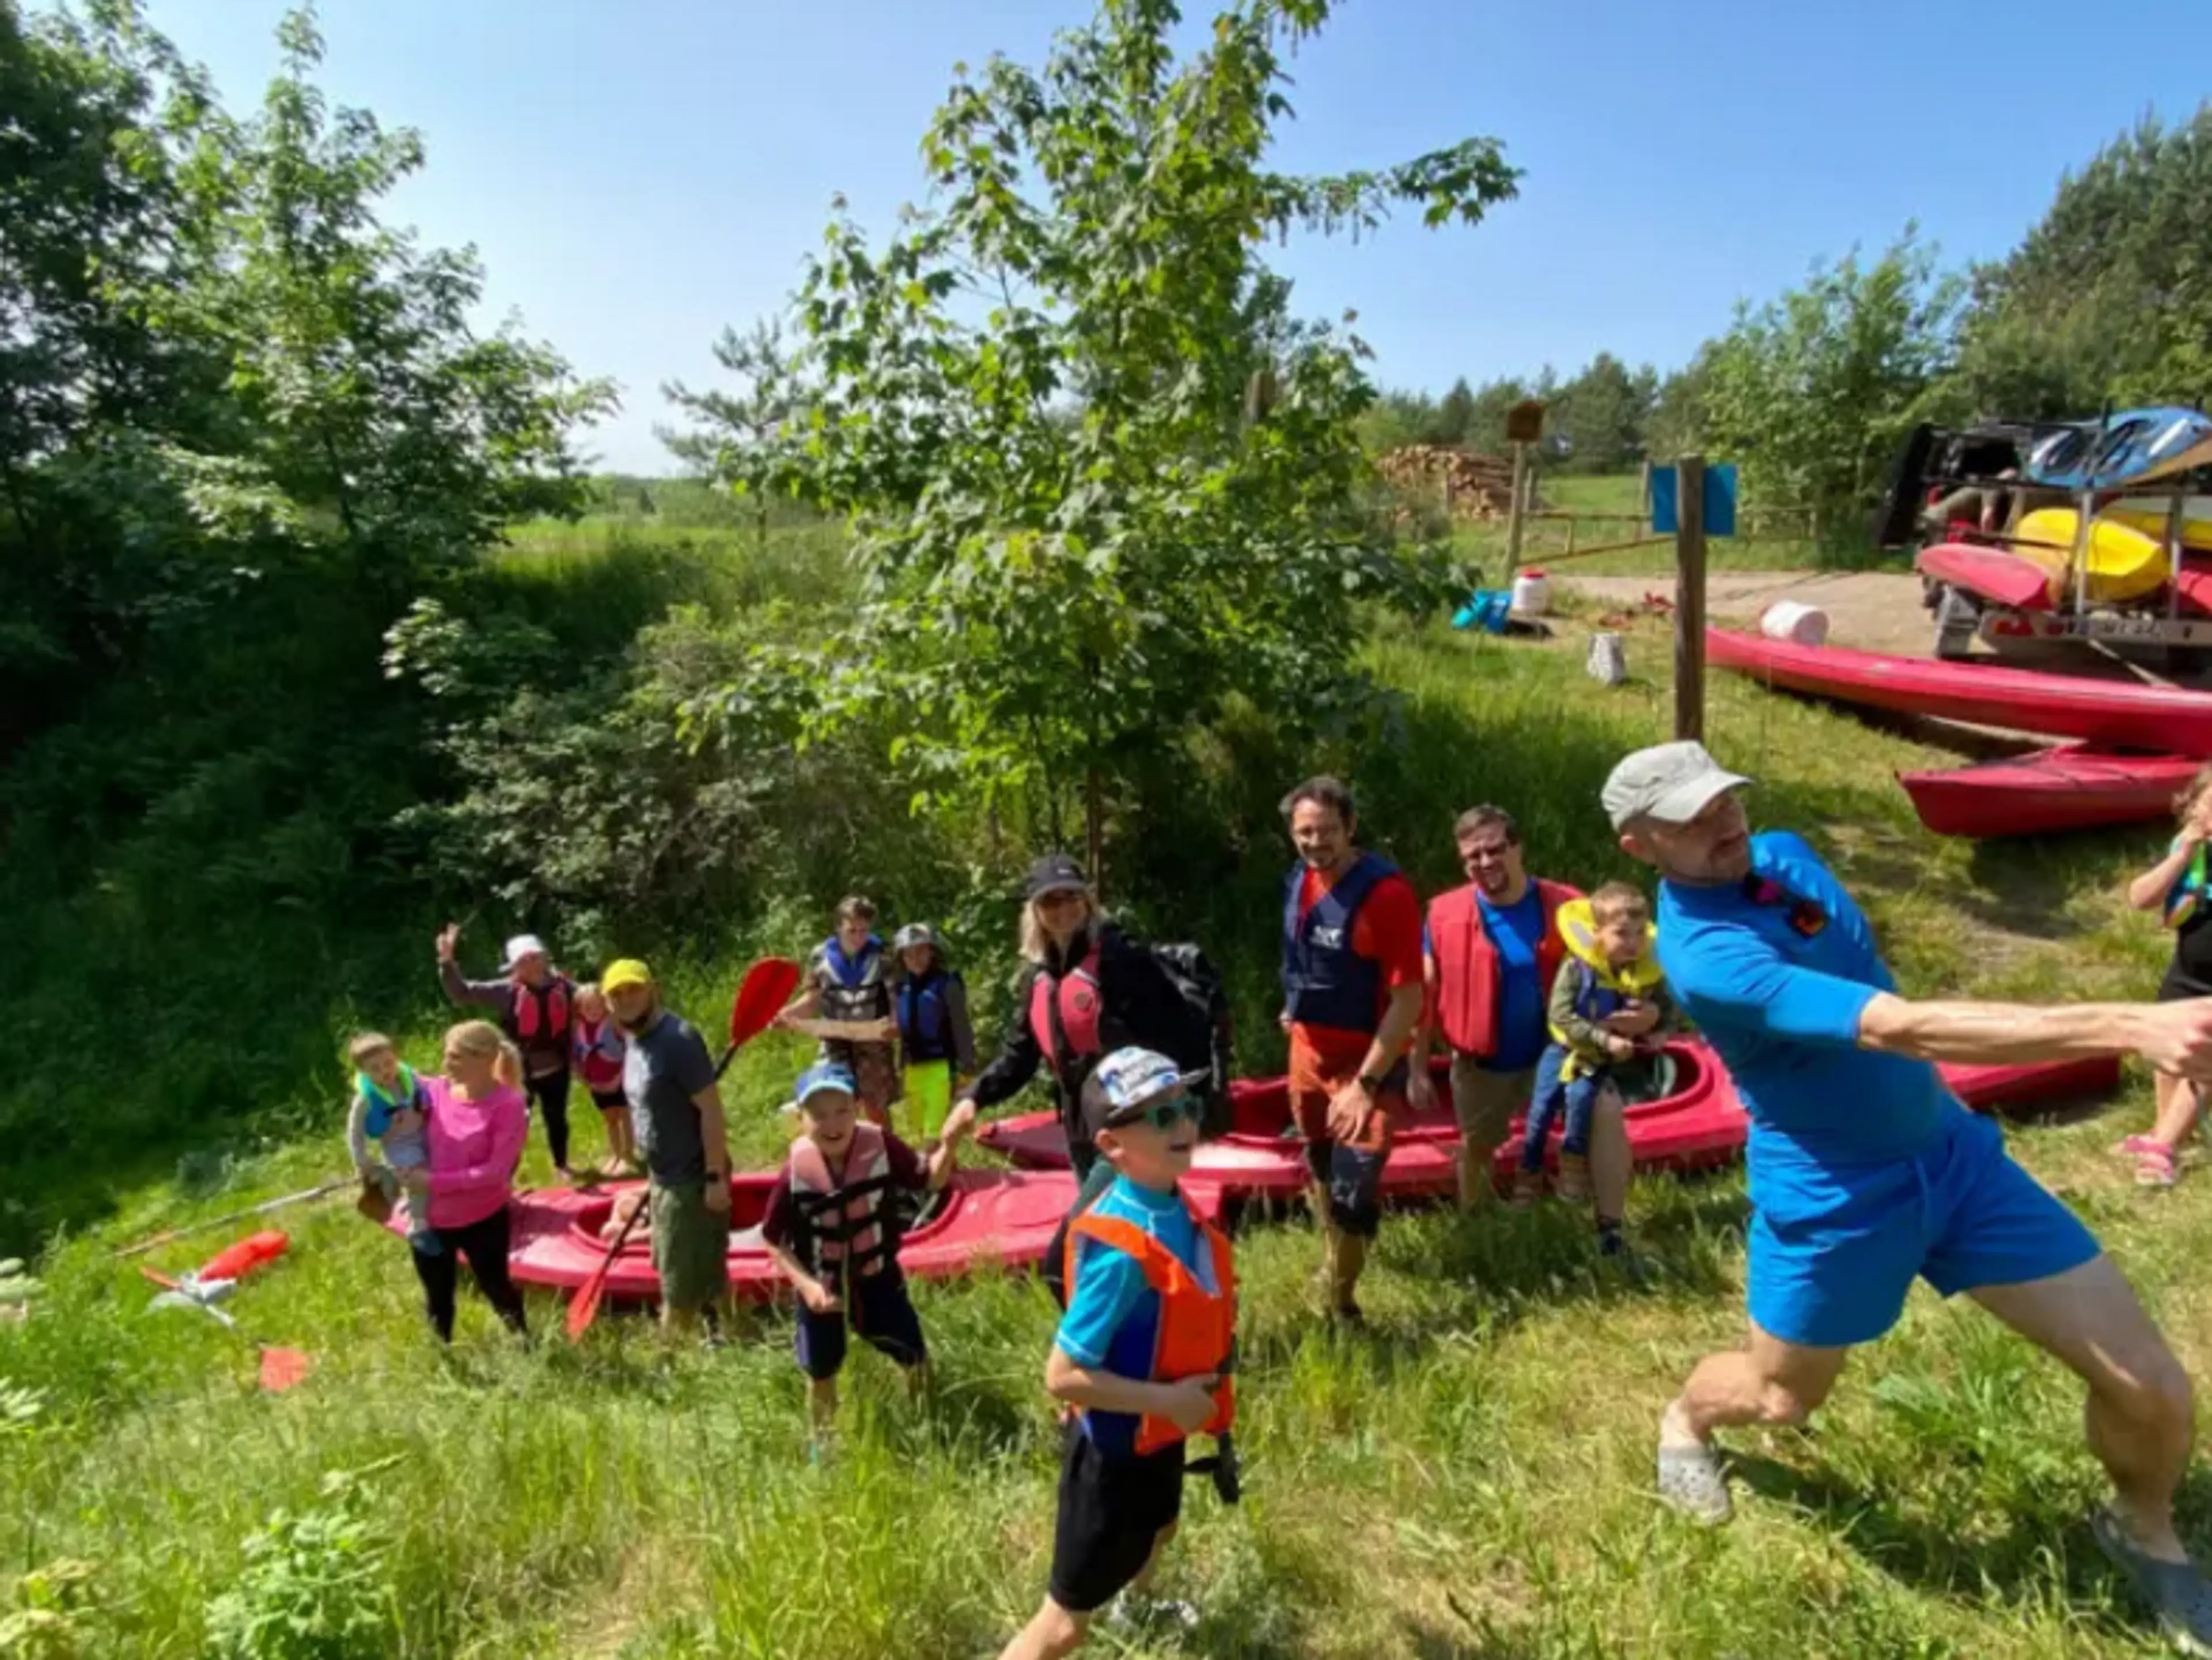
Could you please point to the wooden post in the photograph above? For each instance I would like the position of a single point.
(1644, 490)
(1690, 598)
(1571, 534)
(1516, 512)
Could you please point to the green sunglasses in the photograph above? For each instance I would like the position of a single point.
(1161, 1114)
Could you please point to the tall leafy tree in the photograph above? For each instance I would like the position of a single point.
(2110, 296)
(737, 442)
(1814, 392)
(1454, 420)
(1102, 475)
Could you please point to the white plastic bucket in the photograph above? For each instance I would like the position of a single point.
(1800, 624)
(1532, 594)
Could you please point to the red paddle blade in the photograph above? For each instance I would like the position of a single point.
(586, 1307)
(283, 1368)
(768, 985)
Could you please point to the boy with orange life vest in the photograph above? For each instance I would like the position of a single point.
(1142, 1354)
(831, 1228)
(534, 1004)
(1607, 1004)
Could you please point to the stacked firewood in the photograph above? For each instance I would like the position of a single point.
(1478, 486)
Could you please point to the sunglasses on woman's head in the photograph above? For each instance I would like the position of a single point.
(1161, 1114)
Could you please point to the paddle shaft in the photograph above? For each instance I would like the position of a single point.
(263, 1209)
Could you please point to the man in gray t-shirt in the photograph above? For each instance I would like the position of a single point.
(676, 1110)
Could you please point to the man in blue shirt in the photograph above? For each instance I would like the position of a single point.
(1864, 1171)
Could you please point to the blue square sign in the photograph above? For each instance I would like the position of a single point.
(1720, 499)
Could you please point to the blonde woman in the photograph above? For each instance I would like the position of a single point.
(1088, 990)
(477, 1122)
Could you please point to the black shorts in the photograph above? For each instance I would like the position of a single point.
(883, 1314)
(2180, 983)
(1111, 1510)
(610, 1100)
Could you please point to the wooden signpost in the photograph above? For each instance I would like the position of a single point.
(1524, 425)
(1690, 598)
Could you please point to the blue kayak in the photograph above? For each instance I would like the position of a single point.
(2123, 448)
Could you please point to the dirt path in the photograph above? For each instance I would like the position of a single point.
(1873, 611)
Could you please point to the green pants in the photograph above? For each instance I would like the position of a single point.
(929, 1087)
(690, 1247)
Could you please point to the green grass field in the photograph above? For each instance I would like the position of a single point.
(1470, 1477)
(1772, 543)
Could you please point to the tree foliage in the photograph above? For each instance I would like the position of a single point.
(2110, 296)
(1813, 393)
(739, 438)
(1123, 495)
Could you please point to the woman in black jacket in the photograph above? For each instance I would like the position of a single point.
(1088, 989)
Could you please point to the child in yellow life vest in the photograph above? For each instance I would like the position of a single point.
(1142, 1354)
(1607, 1004)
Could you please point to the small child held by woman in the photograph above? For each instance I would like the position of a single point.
(390, 1108)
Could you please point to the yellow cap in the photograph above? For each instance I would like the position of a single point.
(625, 971)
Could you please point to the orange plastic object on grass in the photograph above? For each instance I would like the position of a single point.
(236, 1261)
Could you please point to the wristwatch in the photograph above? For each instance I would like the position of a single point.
(1372, 1084)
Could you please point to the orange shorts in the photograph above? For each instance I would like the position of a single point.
(1319, 1071)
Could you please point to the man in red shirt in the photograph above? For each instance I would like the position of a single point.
(1352, 996)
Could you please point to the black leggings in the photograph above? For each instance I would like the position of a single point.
(550, 1092)
(484, 1244)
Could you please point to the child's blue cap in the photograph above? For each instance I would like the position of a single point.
(825, 1075)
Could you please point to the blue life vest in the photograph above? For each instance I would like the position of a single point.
(853, 987)
(381, 1107)
(924, 1023)
(1326, 983)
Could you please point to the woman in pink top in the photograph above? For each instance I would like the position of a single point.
(477, 1123)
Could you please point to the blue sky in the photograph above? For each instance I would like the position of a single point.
(636, 173)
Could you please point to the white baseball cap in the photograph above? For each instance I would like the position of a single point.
(522, 945)
(1671, 783)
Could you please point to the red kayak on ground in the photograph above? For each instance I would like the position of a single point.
(986, 1218)
(2111, 714)
(1701, 1123)
(1991, 573)
(2074, 786)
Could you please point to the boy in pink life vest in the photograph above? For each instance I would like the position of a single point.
(597, 1055)
(833, 1231)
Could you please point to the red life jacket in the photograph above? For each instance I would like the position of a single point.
(545, 1007)
(1197, 1328)
(843, 1212)
(1081, 1006)
(1467, 963)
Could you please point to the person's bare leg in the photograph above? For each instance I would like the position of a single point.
(1347, 1261)
(2180, 1104)
(2138, 1418)
(1053, 1632)
(1610, 1158)
(1478, 1181)
(1768, 1382)
(1142, 1584)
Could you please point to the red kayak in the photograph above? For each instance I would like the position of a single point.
(1991, 573)
(1702, 1123)
(2111, 714)
(996, 1217)
(2074, 786)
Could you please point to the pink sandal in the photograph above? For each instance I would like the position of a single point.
(2134, 1146)
(2155, 1167)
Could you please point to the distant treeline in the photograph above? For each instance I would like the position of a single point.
(2108, 298)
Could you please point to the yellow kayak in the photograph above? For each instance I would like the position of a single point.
(2149, 515)
(2124, 562)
